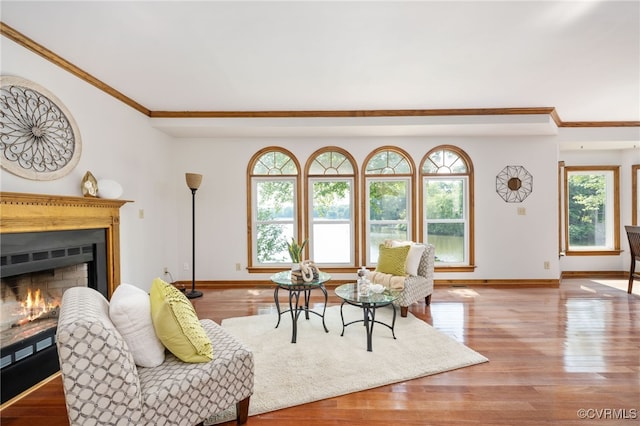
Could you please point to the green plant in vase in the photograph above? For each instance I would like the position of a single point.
(295, 251)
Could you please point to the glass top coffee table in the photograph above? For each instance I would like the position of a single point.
(295, 288)
(349, 294)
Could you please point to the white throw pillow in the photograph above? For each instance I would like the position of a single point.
(414, 255)
(130, 312)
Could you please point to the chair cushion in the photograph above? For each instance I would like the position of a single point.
(176, 324)
(130, 312)
(392, 260)
(184, 394)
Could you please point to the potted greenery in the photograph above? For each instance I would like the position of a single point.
(295, 251)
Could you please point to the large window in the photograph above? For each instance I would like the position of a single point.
(592, 210)
(389, 175)
(447, 210)
(331, 198)
(274, 206)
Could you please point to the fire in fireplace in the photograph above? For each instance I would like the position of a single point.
(36, 269)
(29, 303)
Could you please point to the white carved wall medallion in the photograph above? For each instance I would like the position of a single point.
(39, 139)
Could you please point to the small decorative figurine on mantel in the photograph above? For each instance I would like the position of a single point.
(89, 185)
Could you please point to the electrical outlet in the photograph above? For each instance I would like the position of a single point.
(522, 211)
(185, 266)
(238, 266)
(547, 265)
(165, 270)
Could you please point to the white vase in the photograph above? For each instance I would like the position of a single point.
(108, 188)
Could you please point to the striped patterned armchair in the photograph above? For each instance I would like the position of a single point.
(102, 384)
(418, 286)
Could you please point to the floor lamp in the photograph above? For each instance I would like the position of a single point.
(193, 182)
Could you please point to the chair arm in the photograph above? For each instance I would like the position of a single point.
(427, 262)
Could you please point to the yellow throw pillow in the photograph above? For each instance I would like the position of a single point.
(176, 324)
(392, 260)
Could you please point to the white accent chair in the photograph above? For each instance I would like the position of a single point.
(102, 384)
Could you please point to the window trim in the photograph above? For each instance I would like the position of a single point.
(311, 221)
(616, 210)
(465, 219)
(354, 197)
(470, 266)
(366, 178)
(297, 223)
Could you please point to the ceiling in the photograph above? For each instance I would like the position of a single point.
(583, 58)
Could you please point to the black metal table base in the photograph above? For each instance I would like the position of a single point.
(369, 319)
(295, 308)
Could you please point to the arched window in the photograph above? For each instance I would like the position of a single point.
(388, 198)
(273, 206)
(331, 207)
(447, 206)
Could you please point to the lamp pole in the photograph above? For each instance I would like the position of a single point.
(193, 182)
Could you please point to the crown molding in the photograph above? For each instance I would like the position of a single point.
(47, 54)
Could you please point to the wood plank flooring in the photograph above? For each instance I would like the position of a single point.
(552, 353)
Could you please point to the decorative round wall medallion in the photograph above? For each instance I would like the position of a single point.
(39, 139)
(514, 184)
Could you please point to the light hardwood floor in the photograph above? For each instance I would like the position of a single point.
(552, 353)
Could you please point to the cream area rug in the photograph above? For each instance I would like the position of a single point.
(324, 365)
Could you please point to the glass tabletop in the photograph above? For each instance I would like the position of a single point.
(284, 279)
(349, 292)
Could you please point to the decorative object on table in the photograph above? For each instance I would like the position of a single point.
(362, 284)
(108, 188)
(89, 185)
(514, 184)
(308, 272)
(40, 138)
(193, 182)
(363, 287)
(376, 288)
(295, 251)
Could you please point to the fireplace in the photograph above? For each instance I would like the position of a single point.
(36, 268)
(48, 244)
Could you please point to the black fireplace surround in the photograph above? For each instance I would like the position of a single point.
(29, 361)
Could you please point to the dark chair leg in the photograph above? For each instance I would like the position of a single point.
(632, 272)
(403, 311)
(427, 300)
(242, 411)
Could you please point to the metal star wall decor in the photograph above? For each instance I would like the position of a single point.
(514, 184)
(39, 138)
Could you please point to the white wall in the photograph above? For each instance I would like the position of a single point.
(117, 143)
(508, 245)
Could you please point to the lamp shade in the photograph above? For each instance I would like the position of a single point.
(193, 180)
